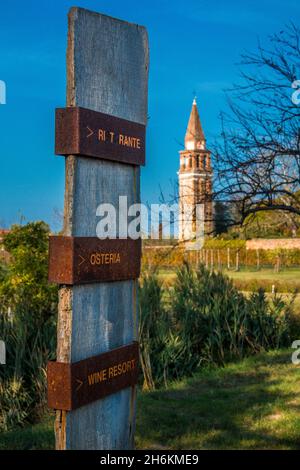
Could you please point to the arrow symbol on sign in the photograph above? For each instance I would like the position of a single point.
(80, 382)
(82, 260)
(90, 132)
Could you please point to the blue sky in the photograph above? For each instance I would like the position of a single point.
(194, 47)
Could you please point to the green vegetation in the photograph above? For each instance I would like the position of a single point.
(200, 321)
(154, 330)
(28, 306)
(221, 243)
(205, 320)
(251, 404)
(271, 224)
(285, 281)
(220, 254)
(31, 437)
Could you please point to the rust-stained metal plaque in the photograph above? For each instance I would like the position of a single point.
(84, 132)
(83, 260)
(71, 386)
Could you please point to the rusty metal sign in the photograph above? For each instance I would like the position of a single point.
(71, 386)
(82, 260)
(84, 132)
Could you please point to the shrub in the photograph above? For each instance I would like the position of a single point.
(15, 402)
(28, 306)
(153, 329)
(208, 321)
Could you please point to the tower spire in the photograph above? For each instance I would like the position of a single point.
(194, 137)
(195, 181)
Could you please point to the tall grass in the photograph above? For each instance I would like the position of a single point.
(23, 378)
(206, 321)
(28, 308)
(153, 329)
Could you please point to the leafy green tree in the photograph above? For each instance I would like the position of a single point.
(25, 288)
(271, 225)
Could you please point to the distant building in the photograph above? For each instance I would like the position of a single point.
(195, 179)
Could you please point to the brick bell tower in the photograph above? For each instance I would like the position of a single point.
(195, 179)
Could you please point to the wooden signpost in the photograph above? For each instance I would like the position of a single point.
(74, 385)
(84, 132)
(92, 385)
(81, 260)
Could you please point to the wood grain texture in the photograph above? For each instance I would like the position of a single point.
(107, 69)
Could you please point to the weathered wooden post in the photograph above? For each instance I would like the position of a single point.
(228, 258)
(237, 260)
(107, 76)
(257, 259)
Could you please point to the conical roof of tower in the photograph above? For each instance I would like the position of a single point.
(194, 132)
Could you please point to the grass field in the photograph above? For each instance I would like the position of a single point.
(289, 278)
(253, 404)
(291, 274)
